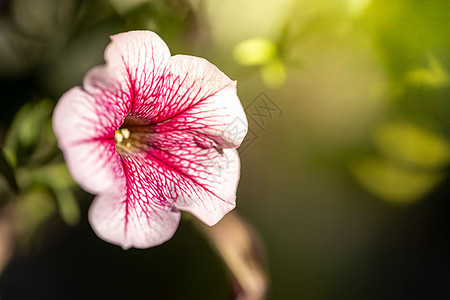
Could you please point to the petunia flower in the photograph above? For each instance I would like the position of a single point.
(151, 134)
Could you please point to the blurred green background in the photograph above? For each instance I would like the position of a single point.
(344, 170)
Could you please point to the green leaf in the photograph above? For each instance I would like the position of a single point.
(8, 172)
(391, 182)
(27, 126)
(55, 176)
(274, 73)
(68, 206)
(410, 144)
(255, 51)
(435, 75)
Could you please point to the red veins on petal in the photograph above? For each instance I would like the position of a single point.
(150, 135)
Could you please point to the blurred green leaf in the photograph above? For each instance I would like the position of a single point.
(32, 124)
(30, 127)
(273, 73)
(124, 6)
(54, 176)
(434, 76)
(68, 206)
(27, 124)
(357, 7)
(404, 31)
(57, 179)
(392, 182)
(410, 144)
(256, 51)
(8, 172)
(35, 207)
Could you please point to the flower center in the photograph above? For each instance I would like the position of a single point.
(133, 137)
(122, 135)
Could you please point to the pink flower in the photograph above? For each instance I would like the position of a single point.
(151, 135)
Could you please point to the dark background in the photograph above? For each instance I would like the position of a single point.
(346, 183)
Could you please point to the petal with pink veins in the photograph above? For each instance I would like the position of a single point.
(136, 212)
(84, 127)
(138, 60)
(200, 98)
(142, 211)
(205, 177)
(215, 191)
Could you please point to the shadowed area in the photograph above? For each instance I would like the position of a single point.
(344, 166)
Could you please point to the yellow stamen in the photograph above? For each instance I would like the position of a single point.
(118, 137)
(125, 132)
